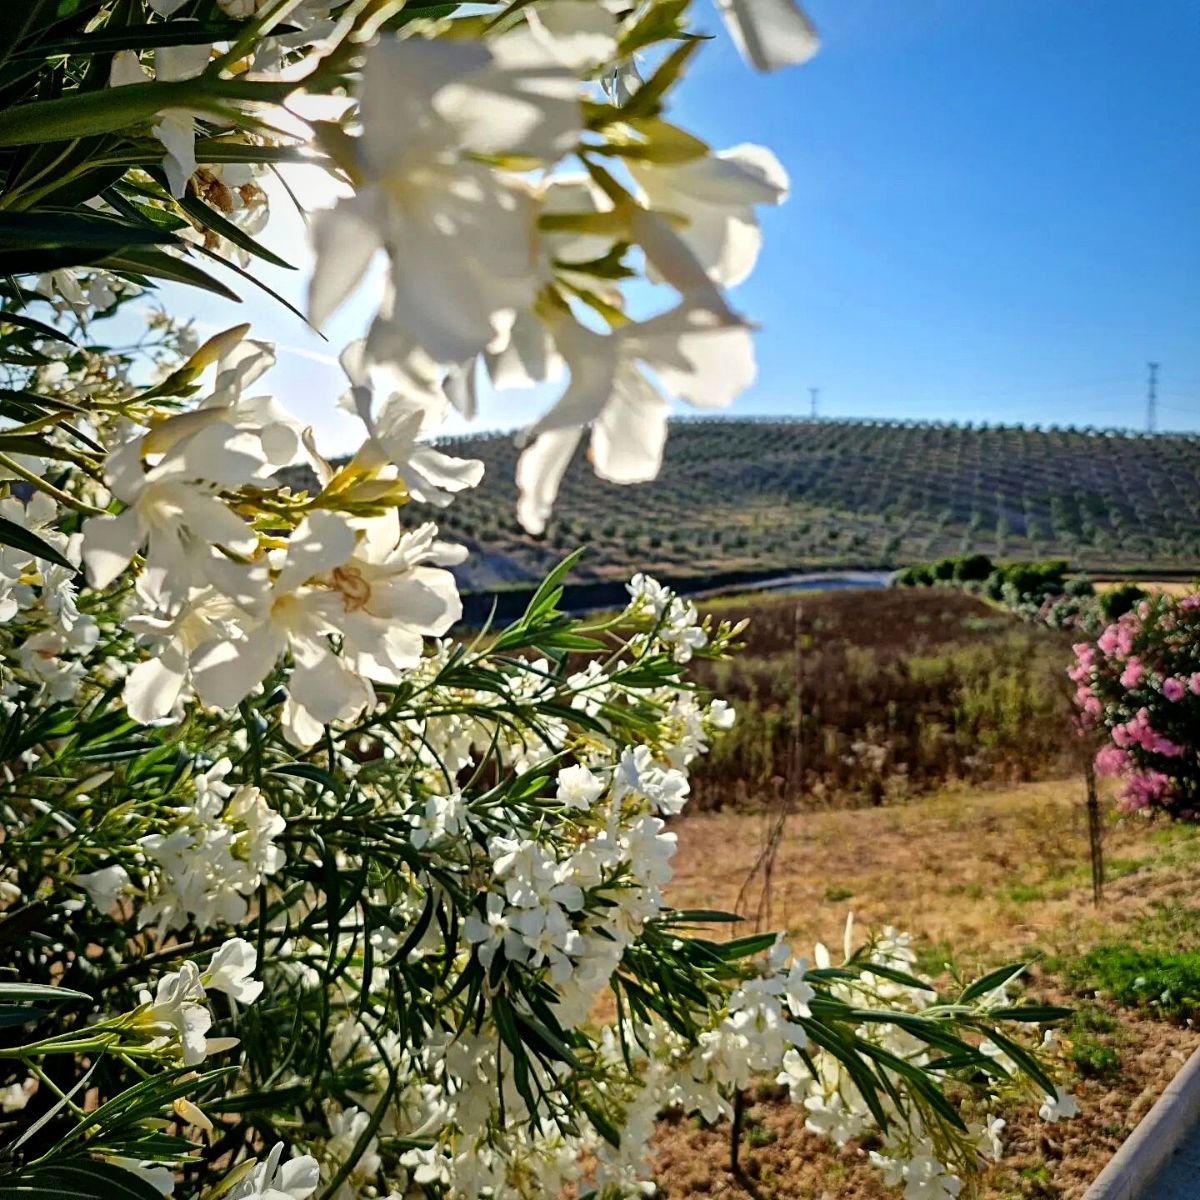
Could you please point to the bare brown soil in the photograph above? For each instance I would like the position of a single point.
(984, 877)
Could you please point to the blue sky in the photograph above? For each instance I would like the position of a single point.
(995, 216)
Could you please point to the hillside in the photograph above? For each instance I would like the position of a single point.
(765, 495)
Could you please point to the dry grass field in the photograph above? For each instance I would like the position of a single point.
(993, 873)
(980, 877)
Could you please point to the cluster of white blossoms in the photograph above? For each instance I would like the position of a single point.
(507, 261)
(467, 165)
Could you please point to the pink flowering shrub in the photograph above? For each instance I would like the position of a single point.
(1139, 681)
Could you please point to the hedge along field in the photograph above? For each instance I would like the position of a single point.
(793, 495)
(864, 697)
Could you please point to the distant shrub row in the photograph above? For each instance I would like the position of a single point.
(1026, 580)
(1021, 585)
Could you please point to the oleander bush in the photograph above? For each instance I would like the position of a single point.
(300, 895)
(1138, 685)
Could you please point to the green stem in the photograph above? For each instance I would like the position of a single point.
(10, 464)
(63, 1044)
(45, 1079)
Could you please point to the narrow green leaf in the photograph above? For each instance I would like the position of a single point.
(40, 327)
(1041, 1013)
(1021, 1057)
(12, 534)
(113, 110)
(52, 228)
(14, 1015)
(77, 1179)
(135, 37)
(991, 981)
(158, 265)
(38, 991)
(221, 225)
(313, 774)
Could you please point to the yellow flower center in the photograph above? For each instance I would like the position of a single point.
(356, 591)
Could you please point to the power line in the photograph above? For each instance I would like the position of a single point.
(1151, 397)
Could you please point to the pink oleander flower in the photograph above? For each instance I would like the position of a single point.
(1139, 732)
(1142, 789)
(1134, 682)
(1085, 660)
(1132, 675)
(1111, 761)
(1125, 639)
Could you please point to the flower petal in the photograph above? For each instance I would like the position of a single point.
(226, 672)
(322, 541)
(698, 355)
(153, 686)
(539, 473)
(629, 435)
(344, 239)
(770, 33)
(108, 545)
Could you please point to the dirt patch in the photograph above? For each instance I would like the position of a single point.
(1041, 1162)
(982, 877)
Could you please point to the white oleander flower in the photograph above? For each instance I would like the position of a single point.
(179, 1004)
(161, 1179)
(172, 507)
(393, 448)
(696, 354)
(42, 658)
(39, 515)
(105, 886)
(664, 788)
(274, 1179)
(1060, 1106)
(581, 34)
(676, 621)
(230, 971)
(717, 194)
(494, 931)
(175, 127)
(15, 1097)
(578, 787)
(460, 233)
(155, 688)
(369, 585)
(241, 363)
(295, 617)
(346, 1128)
(388, 596)
(442, 816)
(989, 1136)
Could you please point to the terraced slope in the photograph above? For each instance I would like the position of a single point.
(766, 495)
